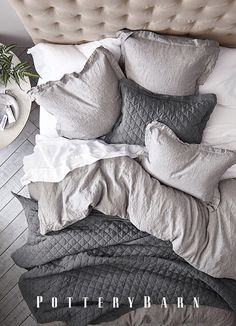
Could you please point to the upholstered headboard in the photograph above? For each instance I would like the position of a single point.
(75, 21)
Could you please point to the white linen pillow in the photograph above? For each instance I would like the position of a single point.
(192, 168)
(220, 131)
(222, 80)
(52, 61)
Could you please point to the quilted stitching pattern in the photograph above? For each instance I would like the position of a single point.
(100, 256)
(185, 115)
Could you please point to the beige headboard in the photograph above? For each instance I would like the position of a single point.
(75, 21)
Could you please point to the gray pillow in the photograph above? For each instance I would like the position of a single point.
(167, 64)
(86, 105)
(185, 115)
(194, 169)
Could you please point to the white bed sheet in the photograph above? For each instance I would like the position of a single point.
(54, 158)
(47, 123)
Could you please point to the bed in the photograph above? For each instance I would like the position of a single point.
(132, 210)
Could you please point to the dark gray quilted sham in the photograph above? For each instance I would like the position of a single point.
(107, 257)
(185, 115)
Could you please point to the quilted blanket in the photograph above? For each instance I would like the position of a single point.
(107, 257)
(121, 187)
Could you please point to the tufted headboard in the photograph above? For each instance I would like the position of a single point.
(76, 21)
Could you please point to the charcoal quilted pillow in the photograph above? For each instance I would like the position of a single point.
(185, 115)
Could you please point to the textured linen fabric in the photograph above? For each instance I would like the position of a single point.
(188, 315)
(167, 64)
(222, 80)
(52, 61)
(86, 104)
(109, 256)
(220, 132)
(121, 187)
(194, 169)
(185, 115)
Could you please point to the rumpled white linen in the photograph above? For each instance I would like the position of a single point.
(54, 158)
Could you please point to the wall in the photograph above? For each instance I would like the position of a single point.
(11, 28)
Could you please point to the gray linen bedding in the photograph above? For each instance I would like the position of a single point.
(104, 256)
(121, 187)
(173, 316)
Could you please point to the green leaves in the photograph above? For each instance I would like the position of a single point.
(7, 48)
(10, 71)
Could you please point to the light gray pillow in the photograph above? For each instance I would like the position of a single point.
(185, 115)
(86, 105)
(194, 169)
(167, 64)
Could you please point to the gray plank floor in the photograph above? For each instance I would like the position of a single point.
(13, 226)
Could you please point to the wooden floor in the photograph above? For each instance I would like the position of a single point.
(13, 227)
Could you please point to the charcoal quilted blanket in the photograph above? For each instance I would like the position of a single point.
(106, 257)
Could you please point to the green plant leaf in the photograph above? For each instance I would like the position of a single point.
(16, 77)
(4, 59)
(9, 71)
(31, 74)
(9, 47)
(5, 77)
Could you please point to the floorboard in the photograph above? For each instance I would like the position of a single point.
(29, 322)
(9, 302)
(32, 136)
(13, 184)
(14, 162)
(5, 258)
(9, 280)
(11, 209)
(6, 152)
(18, 315)
(34, 116)
(13, 231)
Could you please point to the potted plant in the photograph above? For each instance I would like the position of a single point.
(10, 71)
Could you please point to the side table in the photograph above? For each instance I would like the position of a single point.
(24, 103)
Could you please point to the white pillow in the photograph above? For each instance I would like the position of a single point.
(222, 80)
(52, 61)
(220, 131)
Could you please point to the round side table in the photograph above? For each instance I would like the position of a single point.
(8, 135)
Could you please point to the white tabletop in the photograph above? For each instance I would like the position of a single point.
(24, 103)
